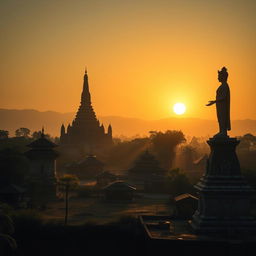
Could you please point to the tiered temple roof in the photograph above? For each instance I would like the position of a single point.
(41, 147)
(146, 164)
(86, 132)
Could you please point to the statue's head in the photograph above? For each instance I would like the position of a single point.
(223, 75)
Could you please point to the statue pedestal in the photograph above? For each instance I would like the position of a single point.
(224, 195)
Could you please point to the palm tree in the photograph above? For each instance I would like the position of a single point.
(67, 183)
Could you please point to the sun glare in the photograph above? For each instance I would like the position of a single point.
(179, 108)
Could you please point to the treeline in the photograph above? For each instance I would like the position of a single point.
(23, 136)
(161, 144)
(25, 133)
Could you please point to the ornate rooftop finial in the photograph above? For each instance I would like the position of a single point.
(85, 71)
(42, 133)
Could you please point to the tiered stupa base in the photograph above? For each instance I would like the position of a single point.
(224, 195)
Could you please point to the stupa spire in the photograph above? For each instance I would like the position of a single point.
(86, 96)
(85, 111)
(42, 132)
(86, 129)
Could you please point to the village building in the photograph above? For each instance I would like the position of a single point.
(42, 173)
(146, 172)
(87, 168)
(105, 178)
(119, 191)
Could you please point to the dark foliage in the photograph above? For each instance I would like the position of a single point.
(14, 167)
(22, 132)
(121, 238)
(164, 145)
(4, 134)
(125, 237)
(16, 143)
(178, 183)
(124, 153)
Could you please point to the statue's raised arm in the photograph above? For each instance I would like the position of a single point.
(222, 102)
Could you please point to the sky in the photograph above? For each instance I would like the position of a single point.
(142, 56)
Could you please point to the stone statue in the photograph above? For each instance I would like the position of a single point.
(222, 104)
(224, 207)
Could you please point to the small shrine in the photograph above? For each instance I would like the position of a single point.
(89, 167)
(42, 157)
(119, 191)
(146, 171)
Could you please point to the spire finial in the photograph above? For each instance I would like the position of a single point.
(42, 133)
(85, 71)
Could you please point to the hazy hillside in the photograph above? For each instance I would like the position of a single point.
(34, 120)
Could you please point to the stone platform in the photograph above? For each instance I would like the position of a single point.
(176, 236)
(224, 195)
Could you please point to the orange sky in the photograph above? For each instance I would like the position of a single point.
(142, 56)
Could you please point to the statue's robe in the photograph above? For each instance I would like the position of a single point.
(223, 107)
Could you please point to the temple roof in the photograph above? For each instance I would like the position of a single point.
(119, 186)
(42, 143)
(184, 196)
(85, 111)
(42, 146)
(85, 129)
(90, 160)
(146, 157)
(106, 174)
(146, 163)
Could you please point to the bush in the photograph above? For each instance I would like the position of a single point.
(26, 219)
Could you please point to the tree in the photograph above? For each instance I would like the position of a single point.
(247, 142)
(67, 183)
(4, 134)
(14, 167)
(22, 132)
(164, 144)
(188, 155)
(124, 153)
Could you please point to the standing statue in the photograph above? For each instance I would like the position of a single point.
(222, 104)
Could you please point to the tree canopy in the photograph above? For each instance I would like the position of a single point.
(22, 132)
(4, 134)
(164, 145)
(14, 166)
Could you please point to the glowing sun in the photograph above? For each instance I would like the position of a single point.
(179, 108)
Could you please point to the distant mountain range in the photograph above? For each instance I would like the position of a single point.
(12, 119)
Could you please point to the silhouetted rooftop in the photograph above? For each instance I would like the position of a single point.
(119, 185)
(90, 160)
(184, 196)
(106, 174)
(42, 143)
